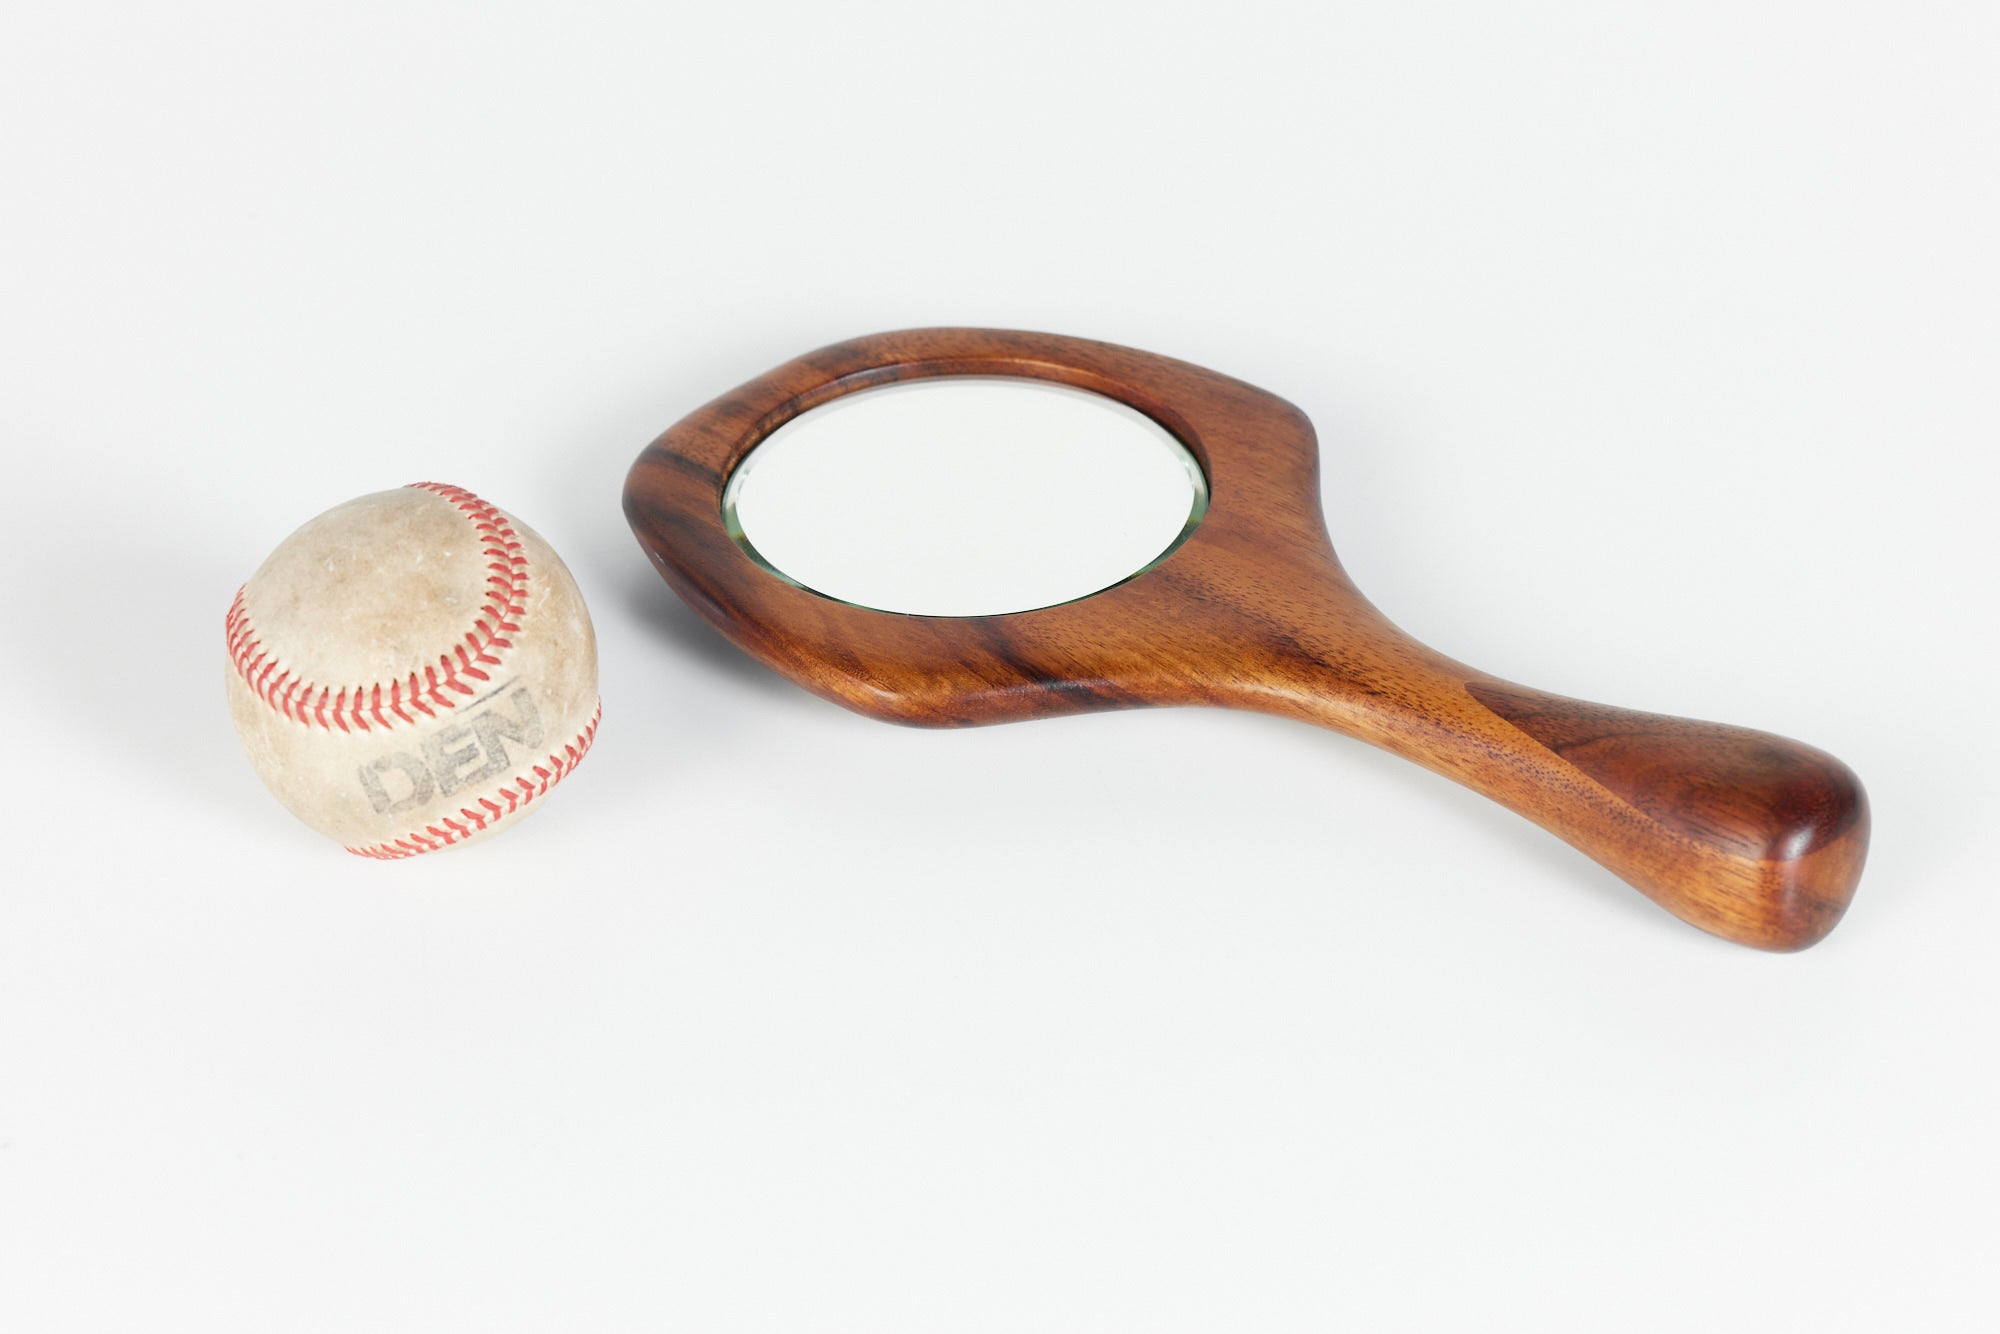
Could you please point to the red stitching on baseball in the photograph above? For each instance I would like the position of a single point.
(487, 809)
(361, 708)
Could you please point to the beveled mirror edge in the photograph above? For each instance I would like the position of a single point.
(1184, 457)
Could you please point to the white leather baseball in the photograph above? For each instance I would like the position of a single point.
(412, 670)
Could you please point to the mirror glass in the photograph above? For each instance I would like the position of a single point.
(965, 496)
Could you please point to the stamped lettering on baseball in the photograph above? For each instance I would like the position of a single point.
(468, 752)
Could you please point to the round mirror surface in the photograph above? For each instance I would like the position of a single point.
(965, 496)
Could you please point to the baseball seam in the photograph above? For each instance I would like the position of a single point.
(441, 685)
(512, 796)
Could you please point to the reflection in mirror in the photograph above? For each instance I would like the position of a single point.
(965, 497)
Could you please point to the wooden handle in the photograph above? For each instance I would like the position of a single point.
(1752, 836)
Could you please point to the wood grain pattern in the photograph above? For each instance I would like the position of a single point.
(1744, 834)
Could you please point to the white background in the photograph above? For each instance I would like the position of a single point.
(1651, 348)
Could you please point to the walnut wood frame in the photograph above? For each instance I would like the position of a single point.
(1751, 836)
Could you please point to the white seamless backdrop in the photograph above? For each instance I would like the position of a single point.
(1651, 350)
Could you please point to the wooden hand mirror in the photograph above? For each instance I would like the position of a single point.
(1751, 836)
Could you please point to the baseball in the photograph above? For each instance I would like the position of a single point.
(412, 670)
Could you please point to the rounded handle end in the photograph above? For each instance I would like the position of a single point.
(1797, 822)
(1754, 837)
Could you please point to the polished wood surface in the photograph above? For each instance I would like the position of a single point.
(1751, 836)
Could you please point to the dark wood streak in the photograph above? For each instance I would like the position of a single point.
(1756, 838)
